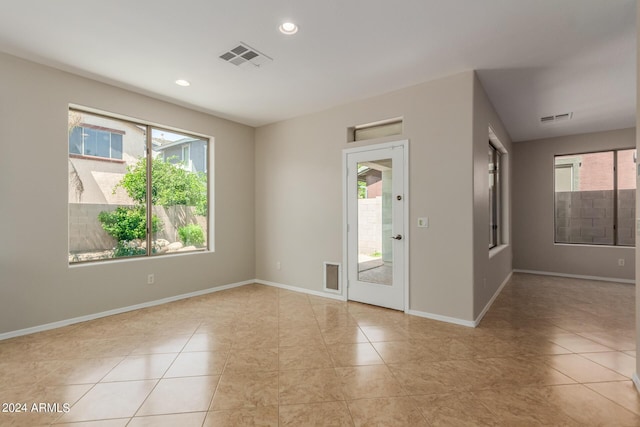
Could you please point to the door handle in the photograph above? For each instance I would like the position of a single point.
(397, 237)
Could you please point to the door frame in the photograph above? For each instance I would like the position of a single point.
(345, 214)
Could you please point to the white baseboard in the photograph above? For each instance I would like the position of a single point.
(447, 319)
(636, 381)
(94, 316)
(576, 276)
(491, 301)
(439, 317)
(343, 298)
(456, 321)
(301, 290)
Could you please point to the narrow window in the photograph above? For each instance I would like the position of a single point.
(375, 130)
(126, 198)
(205, 158)
(186, 156)
(564, 177)
(595, 198)
(494, 196)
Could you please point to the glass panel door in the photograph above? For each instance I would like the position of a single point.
(375, 248)
(376, 240)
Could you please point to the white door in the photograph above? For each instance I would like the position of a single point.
(375, 231)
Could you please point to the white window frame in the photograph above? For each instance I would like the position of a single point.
(149, 155)
(503, 188)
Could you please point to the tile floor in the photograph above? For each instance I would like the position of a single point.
(551, 351)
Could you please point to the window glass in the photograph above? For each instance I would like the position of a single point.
(494, 197)
(181, 202)
(626, 197)
(375, 247)
(564, 177)
(116, 146)
(75, 140)
(90, 141)
(585, 198)
(108, 206)
(186, 156)
(361, 133)
(103, 144)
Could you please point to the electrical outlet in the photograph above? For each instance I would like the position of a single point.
(621, 262)
(151, 279)
(278, 265)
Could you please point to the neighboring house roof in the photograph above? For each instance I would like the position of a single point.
(162, 144)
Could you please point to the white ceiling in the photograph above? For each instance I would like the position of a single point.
(534, 58)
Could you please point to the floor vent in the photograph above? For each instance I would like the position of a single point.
(332, 273)
(245, 55)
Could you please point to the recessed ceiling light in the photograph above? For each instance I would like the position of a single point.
(288, 28)
(181, 82)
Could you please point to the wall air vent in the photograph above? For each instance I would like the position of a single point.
(556, 118)
(245, 55)
(332, 275)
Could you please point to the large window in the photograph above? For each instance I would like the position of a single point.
(495, 196)
(595, 198)
(151, 201)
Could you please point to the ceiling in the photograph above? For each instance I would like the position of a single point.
(534, 58)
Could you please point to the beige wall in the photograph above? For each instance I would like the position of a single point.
(533, 210)
(299, 223)
(489, 271)
(36, 284)
(268, 215)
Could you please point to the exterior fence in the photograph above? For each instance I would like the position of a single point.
(370, 226)
(588, 217)
(87, 235)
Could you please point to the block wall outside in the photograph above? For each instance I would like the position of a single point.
(85, 231)
(370, 226)
(87, 235)
(174, 217)
(588, 217)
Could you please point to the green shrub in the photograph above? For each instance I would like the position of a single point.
(125, 248)
(128, 223)
(170, 185)
(191, 235)
(132, 248)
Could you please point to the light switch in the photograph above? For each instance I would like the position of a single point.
(423, 222)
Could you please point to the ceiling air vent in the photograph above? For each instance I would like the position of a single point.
(556, 118)
(245, 55)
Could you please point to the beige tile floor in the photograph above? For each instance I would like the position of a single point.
(551, 351)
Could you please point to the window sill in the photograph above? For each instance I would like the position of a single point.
(495, 251)
(135, 258)
(590, 245)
